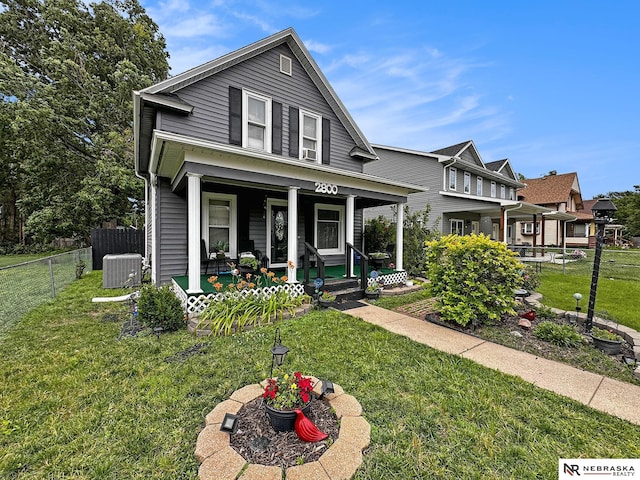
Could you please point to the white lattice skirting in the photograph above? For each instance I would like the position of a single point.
(194, 305)
(395, 278)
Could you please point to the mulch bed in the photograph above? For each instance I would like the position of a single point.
(259, 443)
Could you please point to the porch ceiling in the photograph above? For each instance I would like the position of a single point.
(170, 153)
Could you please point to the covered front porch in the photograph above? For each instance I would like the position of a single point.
(334, 277)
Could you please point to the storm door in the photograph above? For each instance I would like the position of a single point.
(277, 232)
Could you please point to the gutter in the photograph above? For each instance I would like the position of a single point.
(506, 210)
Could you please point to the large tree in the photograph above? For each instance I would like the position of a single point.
(628, 214)
(67, 72)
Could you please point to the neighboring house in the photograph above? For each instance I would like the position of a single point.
(253, 151)
(559, 192)
(465, 194)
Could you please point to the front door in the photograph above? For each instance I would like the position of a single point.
(277, 232)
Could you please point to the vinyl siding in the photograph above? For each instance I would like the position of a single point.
(261, 74)
(171, 233)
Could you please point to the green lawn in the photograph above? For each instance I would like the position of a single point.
(77, 403)
(6, 260)
(618, 285)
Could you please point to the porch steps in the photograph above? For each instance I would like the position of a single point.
(344, 289)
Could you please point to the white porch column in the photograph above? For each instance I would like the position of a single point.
(399, 236)
(349, 236)
(194, 201)
(292, 234)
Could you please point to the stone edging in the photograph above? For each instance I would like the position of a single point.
(629, 334)
(219, 461)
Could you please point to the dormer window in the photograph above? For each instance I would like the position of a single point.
(310, 136)
(256, 118)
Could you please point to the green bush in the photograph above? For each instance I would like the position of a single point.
(472, 277)
(562, 335)
(160, 308)
(415, 234)
(378, 233)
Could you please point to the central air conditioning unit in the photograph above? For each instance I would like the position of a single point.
(309, 154)
(120, 271)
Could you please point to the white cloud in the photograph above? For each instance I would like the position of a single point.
(313, 46)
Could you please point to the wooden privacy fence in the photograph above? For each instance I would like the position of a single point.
(111, 241)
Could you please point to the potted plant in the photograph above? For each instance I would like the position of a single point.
(283, 395)
(606, 340)
(248, 265)
(377, 259)
(372, 292)
(327, 299)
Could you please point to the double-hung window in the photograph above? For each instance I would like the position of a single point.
(467, 182)
(329, 228)
(512, 193)
(219, 222)
(493, 189)
(503, 191)
(256, 118)
(479, 186)
(310, 136)
(453, 173)
(527, 228)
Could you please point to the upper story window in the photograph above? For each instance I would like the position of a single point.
(467, 182)
(512, 193)
(453, 173)
(310, 136)
(493, 189)
(503, 191)
(256, 120)
(479, 186)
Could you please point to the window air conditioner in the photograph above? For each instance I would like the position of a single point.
(309, 154)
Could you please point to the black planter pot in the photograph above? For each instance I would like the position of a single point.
(326, 303)
(284, 420)
(372, 295)
(610, 347)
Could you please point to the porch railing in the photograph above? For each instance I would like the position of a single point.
(310, 250)
(364, 264)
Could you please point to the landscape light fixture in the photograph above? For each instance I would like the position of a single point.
(229, 423)
(278, 351)
(327, 388)
(578, 297)
(603, 211)
(630, 361)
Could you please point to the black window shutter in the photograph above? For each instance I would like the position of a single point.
(326, 141)
(294, 122)
(235, 116)
(276, 128)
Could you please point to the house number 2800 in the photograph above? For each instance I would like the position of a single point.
(329, 188)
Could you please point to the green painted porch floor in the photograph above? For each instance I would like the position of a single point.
(225, 278)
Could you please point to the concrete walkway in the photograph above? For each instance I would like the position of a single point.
(599, 392)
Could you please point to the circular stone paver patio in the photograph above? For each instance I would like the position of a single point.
(219, 461)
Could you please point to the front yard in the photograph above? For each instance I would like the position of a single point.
(78, 403)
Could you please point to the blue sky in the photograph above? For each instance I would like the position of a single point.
(551, 85)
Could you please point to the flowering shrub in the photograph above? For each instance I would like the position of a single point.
(577, 255)
(288, 391)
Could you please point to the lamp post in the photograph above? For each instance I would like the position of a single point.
(278, 351)
(602, 210)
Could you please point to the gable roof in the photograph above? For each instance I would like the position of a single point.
(465, 151)
(502, 167)
(290, 37)
(550, 189)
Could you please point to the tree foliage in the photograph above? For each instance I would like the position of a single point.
(628, 214)
(67, 72)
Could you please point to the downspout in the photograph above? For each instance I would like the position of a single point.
(504, 214)
(137, 111)
(445, 184)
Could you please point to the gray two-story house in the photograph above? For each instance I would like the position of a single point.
(253, 151)
(465, 194)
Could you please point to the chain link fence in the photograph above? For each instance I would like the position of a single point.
(27, 285)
